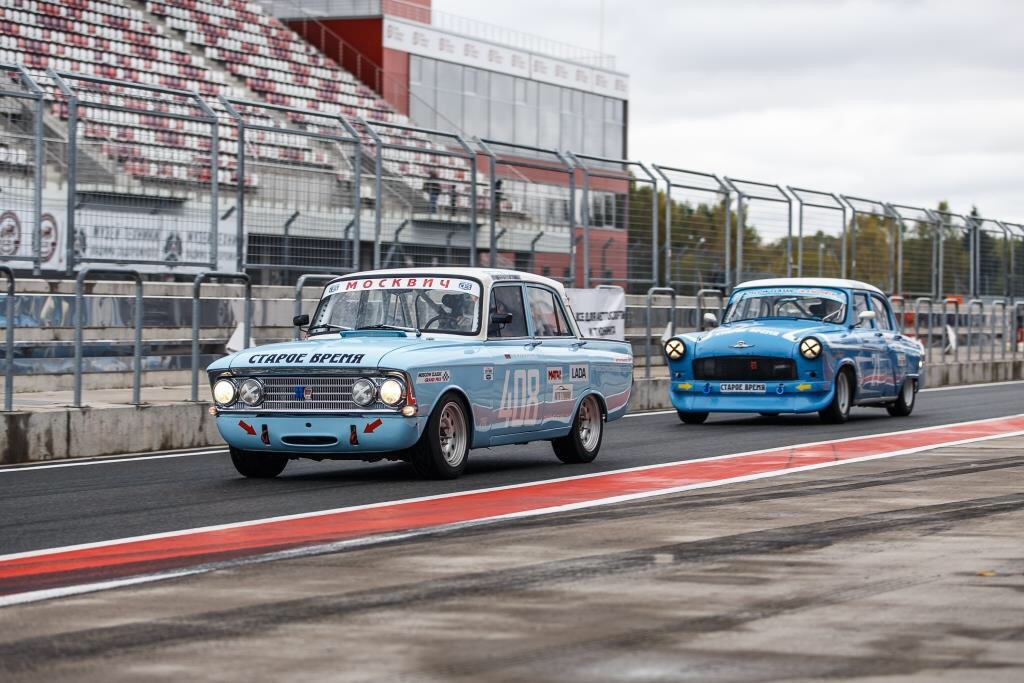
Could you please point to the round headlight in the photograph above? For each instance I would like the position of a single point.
(251, 392)
(224, 392)
(391, 392)
(363, 392)
(810, 348)
(675, 349)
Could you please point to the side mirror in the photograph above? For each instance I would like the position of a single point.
(300, 320)
(501, 318)
(863, 317)
(710, 320)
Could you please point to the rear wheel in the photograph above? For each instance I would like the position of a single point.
(583, 441)
(443, 450)
(904, 404)
(768, 414)
(256, 465)
(838, 411)
(692, 418)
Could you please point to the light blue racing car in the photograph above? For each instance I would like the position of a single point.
(796, 345)
(423, 365)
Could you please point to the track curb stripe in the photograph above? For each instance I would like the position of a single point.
(53, 568)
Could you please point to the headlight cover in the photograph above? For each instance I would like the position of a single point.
(675, 349)
(224, 392)
(364, 392)
(251, 392)
(810, 348)
(391, 392)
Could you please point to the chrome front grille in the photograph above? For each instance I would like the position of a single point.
(327, 394)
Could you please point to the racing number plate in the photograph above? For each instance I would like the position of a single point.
(742, 388)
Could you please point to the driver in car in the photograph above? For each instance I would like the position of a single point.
(458, 312)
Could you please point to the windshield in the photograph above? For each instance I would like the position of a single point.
(804, 303)
(431, 304)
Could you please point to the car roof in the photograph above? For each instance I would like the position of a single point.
(487, 276)
(810, 282)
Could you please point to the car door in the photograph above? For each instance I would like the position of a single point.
(559, 349)
(870, 347)
(517, 395)
(885, 328)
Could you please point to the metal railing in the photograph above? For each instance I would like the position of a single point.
(9, 339)
(246, 317)
(299, 286)
(647, 336)
(123, 273)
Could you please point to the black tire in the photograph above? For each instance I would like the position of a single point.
(692, 418)
(903, 406)
(443, 450)
(583, 442)
(838, 411)
(768, 414)
(256, 465)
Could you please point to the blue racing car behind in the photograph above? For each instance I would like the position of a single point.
(796, 345)
(422, 365)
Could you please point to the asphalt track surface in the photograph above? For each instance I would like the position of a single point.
(53, 507)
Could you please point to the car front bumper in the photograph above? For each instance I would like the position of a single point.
(322, 436)
(699, 396)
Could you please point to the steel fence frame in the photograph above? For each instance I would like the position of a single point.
(667, 174)
(495, 159)
(235, 108)
(802, 203)
(881, 211)
(34, 93)
(380, 145)
(588, 171)
(741, 218)
(923, 217)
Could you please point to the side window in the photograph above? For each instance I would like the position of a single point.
(881, 310)
(860, 304)
(547, 316)
(508, 299)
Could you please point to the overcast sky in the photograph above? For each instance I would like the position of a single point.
(907, 101)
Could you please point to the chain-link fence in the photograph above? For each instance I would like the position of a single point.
(820, 234)
(530, 202)
(101, 171)
(21, 169)
(696, 249)
(298, 190)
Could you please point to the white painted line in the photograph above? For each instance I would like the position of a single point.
(507, 487)
(973, 386)
(36, 596)
(105, 460)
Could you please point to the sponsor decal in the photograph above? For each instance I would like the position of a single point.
(742, 388)
(433, 377)
(554, 374)
(623, 359)
(371, 426)
(579, 373)
(10, 233)
(833, 294)
(520, 398)
(497, 277)
(247, 427)
(416, 282)
(488, 373)
(316, 358)
(562, 392)
(47, 237)
(901, 359)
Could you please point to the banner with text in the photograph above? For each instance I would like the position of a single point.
(600, 312)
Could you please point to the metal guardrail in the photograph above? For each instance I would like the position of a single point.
(9, 341)
(197, 285)
(948, 342)
(996, 333)
(647, 338)
(303, 279)
(971, 318)
(927, 343)
(123, 273)
(701, 294)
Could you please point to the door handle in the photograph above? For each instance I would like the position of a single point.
(533, 344)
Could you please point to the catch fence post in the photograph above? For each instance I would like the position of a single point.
(647, 337)
(124, 273)
(246, 317)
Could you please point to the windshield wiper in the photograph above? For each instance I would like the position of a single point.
(381, 326)
(330, 327)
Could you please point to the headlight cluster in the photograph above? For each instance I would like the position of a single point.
(226, 392)
(810, 348)
(675, 349)
(391, 392)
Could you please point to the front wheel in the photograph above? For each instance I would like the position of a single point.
(692, 418)
(583, 441)
(838, 411)
(256, 465)
(443, 450)
(904, 404)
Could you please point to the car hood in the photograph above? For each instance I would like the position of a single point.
(331, 351)
(759, 337)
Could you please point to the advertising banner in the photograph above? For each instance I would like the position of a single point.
(600, 313)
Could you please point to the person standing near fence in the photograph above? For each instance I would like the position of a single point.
(453, 199)
(433, 190)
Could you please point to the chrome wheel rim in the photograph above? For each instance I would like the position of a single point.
(843, 393)
(589, 423)
(908, 393)
(452, 434)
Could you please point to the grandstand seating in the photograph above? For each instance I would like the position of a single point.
(115, 39)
